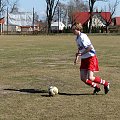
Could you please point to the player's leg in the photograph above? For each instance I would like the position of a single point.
(83, 75)
(85, 78)
(102, 82)
(98, 80)
(91, 78)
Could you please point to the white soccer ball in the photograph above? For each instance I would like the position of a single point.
(52, 90)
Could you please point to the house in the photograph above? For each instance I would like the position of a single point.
(55, 26)
(18, 21)
(99, 19)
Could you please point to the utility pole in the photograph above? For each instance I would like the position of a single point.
(7, 21)
(58, 18)
(33, 20)
(66, 18)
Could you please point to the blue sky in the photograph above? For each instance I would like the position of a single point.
(40, 6)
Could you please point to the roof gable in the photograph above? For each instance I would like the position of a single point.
(97, 20)
(83, 17)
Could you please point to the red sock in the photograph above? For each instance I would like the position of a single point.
(100, 81)
(91, 83)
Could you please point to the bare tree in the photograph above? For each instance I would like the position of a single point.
(112, 9)
(51, 7)
(7, 3)
(3, 4)
(91, 5)
(61, 8)
(14, 6)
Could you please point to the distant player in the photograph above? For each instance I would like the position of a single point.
(89, 61)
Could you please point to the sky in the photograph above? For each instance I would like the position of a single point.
(40, 6)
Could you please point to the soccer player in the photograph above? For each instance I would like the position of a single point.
(89, 61)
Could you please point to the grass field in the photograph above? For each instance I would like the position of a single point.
(30, 64)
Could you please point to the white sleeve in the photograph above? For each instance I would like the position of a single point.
(86, 41)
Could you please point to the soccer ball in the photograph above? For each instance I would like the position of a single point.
(52, 90)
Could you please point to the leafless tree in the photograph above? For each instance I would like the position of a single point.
(91, 5)
(14, 6)
(51, 7)
(112, 9)
(61, 9)
(77, 5)
(3, 4)
(7, 3)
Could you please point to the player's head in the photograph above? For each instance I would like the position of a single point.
(77, 26)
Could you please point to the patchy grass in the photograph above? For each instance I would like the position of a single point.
(30, 64)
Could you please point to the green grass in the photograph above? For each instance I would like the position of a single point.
(30, 64)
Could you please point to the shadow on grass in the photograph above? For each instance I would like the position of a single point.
(81, 94)
(72, 94)
(47, 95)
(28, 90)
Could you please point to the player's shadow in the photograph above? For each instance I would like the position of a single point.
(44, 93)
(78, 94)
(28, 90)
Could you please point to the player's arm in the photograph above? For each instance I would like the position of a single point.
(86, 50)
(77, 56)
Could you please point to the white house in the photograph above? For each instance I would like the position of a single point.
(19, 21)
(97, 20)
(54, 26)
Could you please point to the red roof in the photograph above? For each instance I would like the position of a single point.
(2, 20)
(83, 17)
(106, 16)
